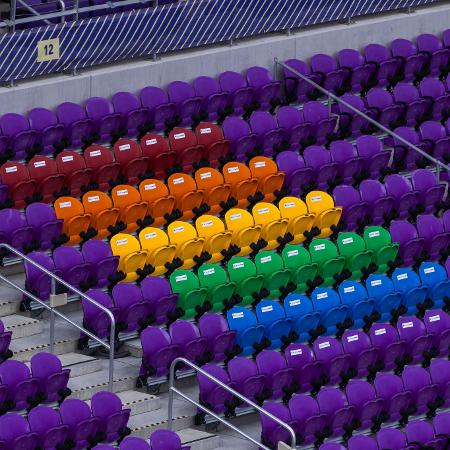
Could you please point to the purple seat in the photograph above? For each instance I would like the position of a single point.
(386, 66)
(5, 340)
(411, 245)
(46, 227)
(47, 424)
(49, 132)
(242, 140)
(432, 47)
(412, 62)
(346, 156)
(166, 440)
(220, 339)
(437, 324)
(441, 424)
(22, 387)
(375, 158)
(102, 263)
(435, 140)
(240, 94)
(322, 123)
(414, 104)
(187, 337)
(21, 138)
(133, 311)
(53, 379)
(14, 229)
(82, 426)
(419, 432)
(266, 90)
(297, 131)
(69, 261)
(437, 240)
(431, 192)
(391, 348)
(360, 442)
(333, 77)
(269, 135)
(382, 103)
(77, 126)
(417, 380)
(214, 101)
(297, 175)
(391, 438)
(36, 281)
(160, 299)
(319, 160)
(15, 433)
(186, 102)
(364, 355)
(333, 402)
(440, 375)
(335, 362)
(350, 123)
(105, 122)
(380, 204)
(404, 156)
(103, 447)
(107, 406)
(298, 89)
(160, 110)
(135, 443)
(412, 330)
(362, 396)
(247, 380)
(332, 446)
(271, 432)
(406, 199)
(359, 72)
(134, 117)
(354, 210)
(434, 91)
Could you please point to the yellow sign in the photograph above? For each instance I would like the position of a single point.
(48, 50)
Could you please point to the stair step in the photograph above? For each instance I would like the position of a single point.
(199, 440)
(134, 347)
(79, 364)
(142, 425)
(22, 326)
(7, 308)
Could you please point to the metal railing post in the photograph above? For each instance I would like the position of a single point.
(12, 14)
(52, 318)
(77, 6)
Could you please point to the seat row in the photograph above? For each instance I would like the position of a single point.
(5, 341)
(159, 440)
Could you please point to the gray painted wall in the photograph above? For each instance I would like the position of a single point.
(135, 75)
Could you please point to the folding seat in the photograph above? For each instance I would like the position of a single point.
(21, 187)
(271, 432)
(353, 248)
(48, 181)
(277, 326)
(421, 433)
(270, 180)
(132, 210)
(412, 330)
(358, 71)
(408, 283)
(160, 203)
(386, 67)
(77, 126)
(417, 380)
(272, 365)
(414, 104)
(333, 77)
(298, 89)
(186, 336)
(276, 276)
(300, 220)
(187, 103)
(132, 257)
(364, 355)
(387, 112)
(188, 199)
(214, 101)
(242, 140)
(300, 310)
(362, 396)
(249, 334)
(243, 184)
(216, 239)
(297, 175)
(135, 443)
(220, 339)
(240, 94)
(159, 251)
(160, 109)
(349, 163)
(360, 305)
(47, 424)
(432, 47)
(378, 239)
(103, 447)
(266, 89)
(273, 226)
(215, 191)
(75, 222)
(354, 210)
(351, 123)
(391, 438)
(189, 244)
(437, 324)
(324, 253)
(435, 141)
(362, 442)
(386, 300)
(103, 215)
(104, 168)
(431, 191)
(437, 240)
(166, 440)
(37, 282)
(133, 164)
(269, 135)
(14, 229)
(333, 313)
(405, 158)
(219, 289)
(216, 147)
(441, 424)
(242, 271)
(296, 129)
(406, 199)
(70, 263)
(20, 137)
(77, 176)
(376, 159)
(160, 300)
(5, 340)
(107, 406)
(433, 90)
(134, 117)
(323, 124)
(412, 61)
(161, 157)
(15, 433)
(105, 122)
(434, 276)
(326, 170)
(327, 214)
(46, 227)
(245, 231)
(391, 348)
(440, 375)
(49, 131)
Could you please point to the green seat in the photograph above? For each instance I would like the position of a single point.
(271, 266)
(353, 248)
(325, 254)
(298, 260)
(190, 295)
(378, 239)
(214, 278)
(242, 271)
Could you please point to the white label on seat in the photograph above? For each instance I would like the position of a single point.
(65, 204)
(289, 205)
(150, 187)
(434, 318)
(402, 276)
(122, 192)
(349, 289)
(235, 216)
(380, 331)
(295, 302)
(292, 253)
(324, 344)
(238, 315)
(263, 210)
(11, 169)
(151, 141)
(353, 338)
(94, 198)
(316, 198)
(375, 282)
(150, 235)
(260, 164)
(181, 278)
(238, 265)
(206, 224)
(322, 295)
(267, 308)
(319, 247)
(429, 270)
(122, 241)
(178, 180)
(67, 158)
(205, 175)
(179, 136)
(124, 147)
(233, 169)
(205, 130)
(407, 325)
(40, 164)
(374, 234)
(178, 229)
(347, 241)
(95, 153)
(296, 352)
(209, 271)
(265, 259)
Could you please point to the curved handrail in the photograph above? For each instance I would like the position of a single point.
(198, 369)
(53, 311)
(329, 94)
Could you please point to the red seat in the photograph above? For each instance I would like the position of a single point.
(128, 154)
(73, 166)
(105, 169)
(20, 185)
(48, 180)
(216, 146)
(184, 143)
(161, 157)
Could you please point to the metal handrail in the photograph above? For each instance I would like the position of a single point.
(53, 311)
(330, 95)
(173, 389)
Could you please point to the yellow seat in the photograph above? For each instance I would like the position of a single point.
(76, 221)
(132, 257)
(270, 180)
(212, 229)
(245, 232)
(132, 208)
(189, 245)
(160, 251)
(322, 205)
(300, 220)
(268, 216)
(160, 203)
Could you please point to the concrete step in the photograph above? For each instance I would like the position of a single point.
(134, 347)
(8, 307)
(199, 440)
(22, 326)
(142, 425)
(79, 364)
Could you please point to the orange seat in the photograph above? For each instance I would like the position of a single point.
(216, 146)
(215, 191)
(159, 201)
(184, 143)
(187, 197)
(128, 154)
(270, 180)
(103, 216)
(132, 208)
(76, 221)
(238, 175)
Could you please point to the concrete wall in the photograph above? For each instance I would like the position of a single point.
(135, 75)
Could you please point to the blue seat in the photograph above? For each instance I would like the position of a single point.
(381, 288)
(272, 315)
(248, 331)
(434, 276)
(354, 295)
(408, 283)
(332, 311)
(300, 308)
